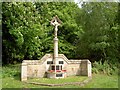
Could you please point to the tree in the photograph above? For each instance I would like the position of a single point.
(68, 32)
(100, 40)
(21, 28)
(27, 33)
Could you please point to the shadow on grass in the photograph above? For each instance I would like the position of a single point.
(17, 76)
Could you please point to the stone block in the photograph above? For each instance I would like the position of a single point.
(24, 72)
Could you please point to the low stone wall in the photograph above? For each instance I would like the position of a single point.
(73, 69)
(79, 67)
(37, 68)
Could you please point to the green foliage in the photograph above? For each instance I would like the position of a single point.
(20, 31)
(105, 68)
(100, 40)
(67, 32)
(27, 33)
(11, 71)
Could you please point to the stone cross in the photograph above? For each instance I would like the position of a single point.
(55, 22)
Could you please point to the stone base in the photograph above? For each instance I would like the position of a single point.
(56, 75)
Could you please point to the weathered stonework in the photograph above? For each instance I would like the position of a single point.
(24, 72)
(40, 68)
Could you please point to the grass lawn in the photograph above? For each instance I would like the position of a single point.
(59, 81)
(11, 79)
(103, 81)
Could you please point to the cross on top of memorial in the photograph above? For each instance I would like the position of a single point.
(55, 21)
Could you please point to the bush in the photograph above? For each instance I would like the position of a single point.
(11, 71)
(105, 67)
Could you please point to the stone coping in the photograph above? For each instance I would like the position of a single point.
(42, 60)
(63, 84)
(37, 62)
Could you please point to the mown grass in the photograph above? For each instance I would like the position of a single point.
(103, 81)
(59, 81)
(11, 79)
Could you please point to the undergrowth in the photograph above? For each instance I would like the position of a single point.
(11, 71)
(106, 68)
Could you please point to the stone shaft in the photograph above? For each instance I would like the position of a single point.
(55, 47)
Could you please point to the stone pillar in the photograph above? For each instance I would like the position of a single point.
(24, 72)
(55, 47)
(55, 42)
(86, 68)
(55, 22)
(55, 53)
(89, 69)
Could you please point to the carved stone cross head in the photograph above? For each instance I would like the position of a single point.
(55, 21)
